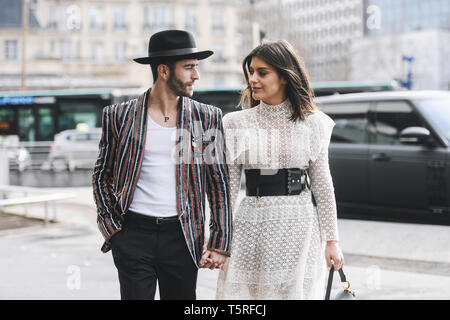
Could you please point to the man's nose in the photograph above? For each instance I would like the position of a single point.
(195, 75)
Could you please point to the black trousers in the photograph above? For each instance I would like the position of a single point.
(146, 252)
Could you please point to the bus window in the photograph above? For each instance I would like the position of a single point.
(46, 126)
(6, 121)
(26, 125)
(39, 115)
(75, 112)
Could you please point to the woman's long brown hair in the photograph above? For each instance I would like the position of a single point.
(283, 57)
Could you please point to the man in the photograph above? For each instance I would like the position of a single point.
(158, 155)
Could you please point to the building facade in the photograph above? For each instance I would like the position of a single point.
(91, 43)
(362, 40)
(406, 40)
(320, 30)
(386, 17)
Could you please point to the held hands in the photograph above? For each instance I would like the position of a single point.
(211, 259)
(333, 255)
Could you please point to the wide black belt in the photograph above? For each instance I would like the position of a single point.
(277, 182)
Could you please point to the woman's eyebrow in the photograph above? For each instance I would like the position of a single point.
(260, 68)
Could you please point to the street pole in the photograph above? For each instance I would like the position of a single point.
(256, 36)
(24, 41)
(281, 18)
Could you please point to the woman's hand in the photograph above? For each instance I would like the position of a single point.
(211, 259)
(333, 255)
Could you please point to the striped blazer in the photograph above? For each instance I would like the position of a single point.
(200, 169)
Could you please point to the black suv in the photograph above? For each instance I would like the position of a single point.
(390, 155)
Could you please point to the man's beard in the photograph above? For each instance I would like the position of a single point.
(177, 86)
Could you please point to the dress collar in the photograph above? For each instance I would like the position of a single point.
(279, 109)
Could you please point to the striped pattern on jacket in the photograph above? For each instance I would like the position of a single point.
(200, 169)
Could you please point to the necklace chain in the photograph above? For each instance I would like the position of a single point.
(166, 118)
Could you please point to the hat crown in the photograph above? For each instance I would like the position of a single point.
(170, 40)
(176, 44)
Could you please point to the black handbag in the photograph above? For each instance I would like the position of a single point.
(346, 294)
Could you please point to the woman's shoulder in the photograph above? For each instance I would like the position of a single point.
(318, 117)
(320, 127)
(234, 117)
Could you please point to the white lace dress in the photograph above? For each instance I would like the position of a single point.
(278, 243)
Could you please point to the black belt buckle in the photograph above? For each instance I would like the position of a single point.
(295, 185)
(160, 220)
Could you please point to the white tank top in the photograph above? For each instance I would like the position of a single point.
(155, 193)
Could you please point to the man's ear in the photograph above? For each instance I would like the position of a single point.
(163, 71)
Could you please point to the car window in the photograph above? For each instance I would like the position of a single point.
(94, 136)
(391, 118)
(78, 137)
(350, 121)
(437, 112)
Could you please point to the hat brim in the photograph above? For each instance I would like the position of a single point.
(196, 55)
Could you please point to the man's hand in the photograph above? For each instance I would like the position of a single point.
(211, 259)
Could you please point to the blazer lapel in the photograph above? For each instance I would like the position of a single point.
(136, 138)
(183, 151)
(140, 130)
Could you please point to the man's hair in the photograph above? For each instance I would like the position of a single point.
(168, 62)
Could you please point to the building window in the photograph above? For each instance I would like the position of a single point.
(219, 53)
(96, 22)
(218, 21)
(191, 20)
(160, 18)
(97, 50)
(11, 49)
(147, 26)
(120, 19)
(78, 49)
(65, 49)
(120, 50)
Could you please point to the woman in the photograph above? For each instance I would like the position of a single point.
(285, 228)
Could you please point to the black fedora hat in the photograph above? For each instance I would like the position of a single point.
(178, 44)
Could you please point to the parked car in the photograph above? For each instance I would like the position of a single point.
(74, 149)
(390, 155)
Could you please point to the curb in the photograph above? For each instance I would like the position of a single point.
(23, 230)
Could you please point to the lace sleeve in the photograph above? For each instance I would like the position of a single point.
(323, 190)
(234, 166)
(321, 180)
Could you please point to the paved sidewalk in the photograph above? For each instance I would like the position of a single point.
(63, 260)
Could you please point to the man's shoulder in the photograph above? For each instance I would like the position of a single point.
(121, 106)
(204, 107)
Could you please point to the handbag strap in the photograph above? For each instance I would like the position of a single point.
(330, 280)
